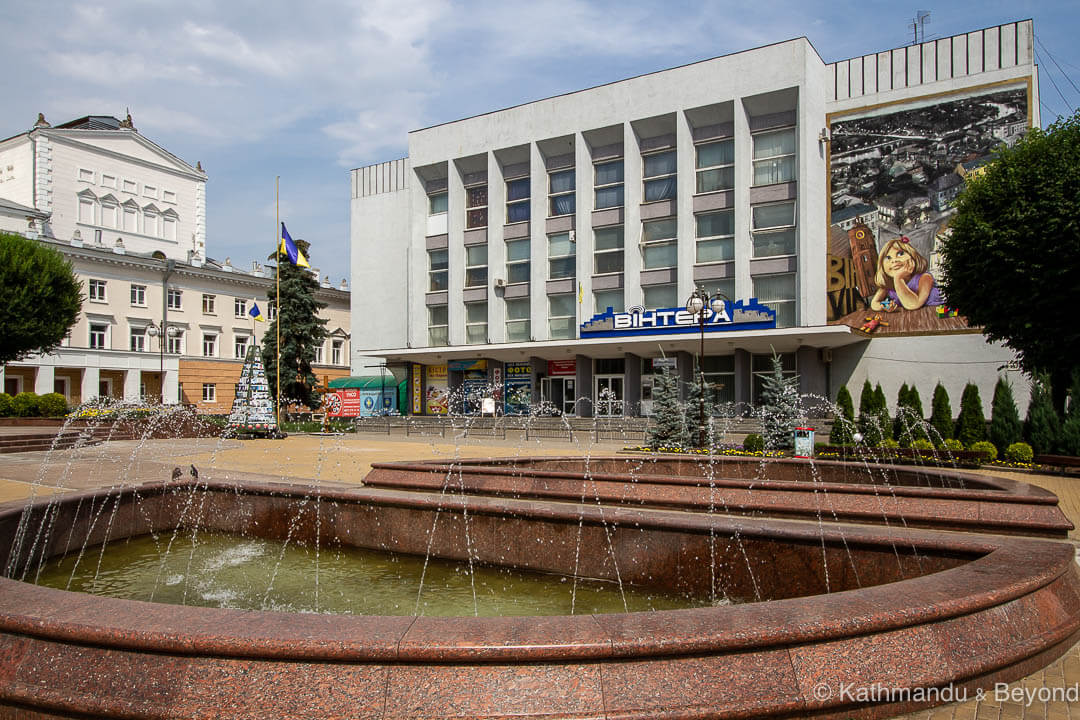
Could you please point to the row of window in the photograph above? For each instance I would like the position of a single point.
(99, 340)
(773, 162)
(775, 291)
(772, 235)
(112, 181)
(128, 217)
(98, 289)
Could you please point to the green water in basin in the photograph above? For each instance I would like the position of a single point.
(227, 571)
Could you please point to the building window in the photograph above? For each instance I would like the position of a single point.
(659, 243)
(271, 310)
(716, 166)
(562, 258)
(130, 186)
(98, 334)
(720, 381)
(337, 352)
(517, 320)
(561, 316)
(108, 181)
(761, 367)
(110, 213)
(209, 392)
(774, 229)
(138, 296)
(561, 193)
(715, 236)
(438, 269)
(476, 266)
(476, 323)
(437, 204)
(168, 227)
(608, 250)
(517, 260)
(476, 200)
(659, 174)
(774, 157)
(608, 184)
(604, 299)
(318, 355)
(97, 290)
(240, 307)
(209, 302)
(138, 339)
(240, 346)
(176, 343)
(660, 296)
(168, 196)
(778, 293)
(437, 325)
(86, 210)
(149, 191)
(173, 298)
(517, 200)
(150, 223)
(209, 345)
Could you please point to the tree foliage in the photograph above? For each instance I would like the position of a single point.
(1069, 436)
(779, 408)
(941, 417)
(1005, 426)
(971, 424)
(42, 298)
(1042, 425)
(668, 429)
(869, 417)
(909, 423)
(699, 426)
(844, 421)
(1013, 254)
(302, 331)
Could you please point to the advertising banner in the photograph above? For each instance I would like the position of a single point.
(740, 315)
(562, 367)
(354, 402)
(895, 174)
(518, 389)
(417, 389)
(438, 390)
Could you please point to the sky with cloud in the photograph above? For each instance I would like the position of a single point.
(308, 91)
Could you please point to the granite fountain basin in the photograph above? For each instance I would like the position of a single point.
(830, 608)
(908, 496)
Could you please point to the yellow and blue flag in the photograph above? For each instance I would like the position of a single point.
(288, 247)
(255, 312)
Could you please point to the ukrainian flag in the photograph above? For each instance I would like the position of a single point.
(255, 312)
(288, 247)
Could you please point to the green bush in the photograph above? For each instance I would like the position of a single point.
(1005, 425)
(25, 404)
(1042, 426)
(953, 445)
(922, 444)
(6, 408)
(890, 443)
(844, 422)
(941, 418)
(971, 425)
(1019, 452)
(987, 449)
(753, 443)
(52, 405)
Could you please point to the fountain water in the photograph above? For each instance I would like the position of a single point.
(906, 607)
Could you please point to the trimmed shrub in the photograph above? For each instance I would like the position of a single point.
(753, 443)
(25, 404)
(1005, 427)
(6, 407)
(941, 417)
(987, 449)
(844, 422)
(890, 444)
(52, 405)
(1042, 426)
(882, 407)
(971, 425)
(953, 445)
(869, 420)
(1019, 452)
(922, 444)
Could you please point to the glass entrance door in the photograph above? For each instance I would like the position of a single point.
(609, 395)
(557, 393)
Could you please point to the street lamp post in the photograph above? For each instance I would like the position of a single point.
(154, 331)
(697, 304)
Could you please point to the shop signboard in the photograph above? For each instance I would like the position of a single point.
(438, 390)
(518, 392)
(417, 389)
(562, 367)
(740, 315)
(356, 402)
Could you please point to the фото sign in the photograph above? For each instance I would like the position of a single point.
(741, 315)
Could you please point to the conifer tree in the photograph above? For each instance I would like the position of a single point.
(881, 406)
(780, 408)
(844, 421)
(668, 429)
(1005, 427)
(869, 417)
(1042, 425)
(941, 418)
(902, 420)
(1069, 436)
(302, 331)
(694, 428)
(918, 427)
(971, 425)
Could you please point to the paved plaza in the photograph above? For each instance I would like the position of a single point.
(343, 460)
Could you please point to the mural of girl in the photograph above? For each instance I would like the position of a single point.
(902, 280)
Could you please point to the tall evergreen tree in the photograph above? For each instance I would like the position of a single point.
(869, 417)
(971, 425)
(1005, 427)
(902, 421)
(881, 406)
(1042, 425)
(302, 331)
(699, 428)
(1069, 436)
(779, 408)
(668, 428)
(844, 420)
(941, 417)
(918, 428)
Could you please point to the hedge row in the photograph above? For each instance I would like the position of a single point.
(28, 404)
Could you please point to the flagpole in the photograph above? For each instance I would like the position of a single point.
(277, 302)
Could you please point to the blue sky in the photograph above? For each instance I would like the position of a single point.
(307, 91)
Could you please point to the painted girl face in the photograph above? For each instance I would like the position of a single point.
(897, 259)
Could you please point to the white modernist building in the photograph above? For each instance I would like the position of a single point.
(546, 252)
